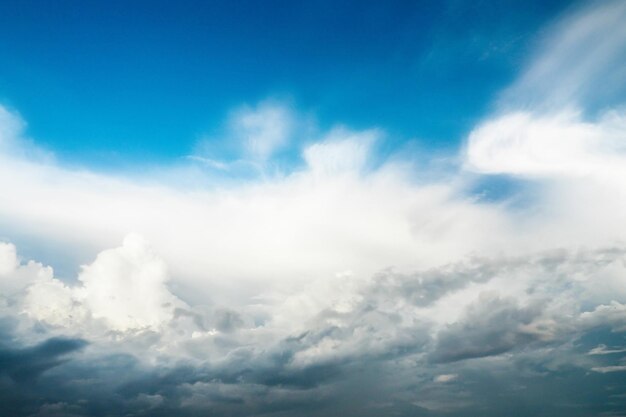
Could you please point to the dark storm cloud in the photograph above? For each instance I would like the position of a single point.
(28, 363)
(22, 371)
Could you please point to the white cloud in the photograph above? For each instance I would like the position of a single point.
(341, 152)
(560, 145)
(51, 301)
(125, 286)
(557, 128)
(543, 128)
(15, 277)
(445, 378)
(124, 289)
(8, 258)
(603, 350)
(606, 369)
(580, 62)
(264, 129)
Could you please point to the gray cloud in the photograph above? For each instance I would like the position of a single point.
(525, 325)
(24, 364)
(492, 326)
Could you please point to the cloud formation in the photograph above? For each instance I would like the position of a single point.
(342, 286)
(539, 311)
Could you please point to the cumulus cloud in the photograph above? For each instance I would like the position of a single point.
(123, 289)
(15, 277)
(126, 287)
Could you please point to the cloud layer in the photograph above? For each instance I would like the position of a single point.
(342, 285)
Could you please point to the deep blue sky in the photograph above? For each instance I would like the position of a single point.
(119, 80)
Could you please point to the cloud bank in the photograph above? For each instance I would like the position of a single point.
(343, 285)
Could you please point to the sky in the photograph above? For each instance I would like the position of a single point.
(335, 208)
(107, 82)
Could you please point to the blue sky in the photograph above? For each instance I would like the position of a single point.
(364, 209)
(112, 82)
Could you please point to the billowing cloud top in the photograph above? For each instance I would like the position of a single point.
(347, 284)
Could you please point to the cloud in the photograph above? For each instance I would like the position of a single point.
(549, 146)
(491, 326)
(446, 378)
(602, 350)
(259, 236)
(340, 152)
(15, 277)
(8, 258)
(27, 363)
(125, 288)
(605, 369)
(348, 285)
(263, 129)
(11, 127)
(251, 138)
(548, 124)
(546, 132)
(579, 62)
(377, 334)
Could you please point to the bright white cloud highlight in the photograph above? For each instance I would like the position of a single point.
(560, 145)
(341, 152)
(124, 289)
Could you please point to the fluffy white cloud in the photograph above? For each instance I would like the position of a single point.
(126, 287)
(15, 277)
(123, 289)
(560, 145)
(51, 301)
(8, 258)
